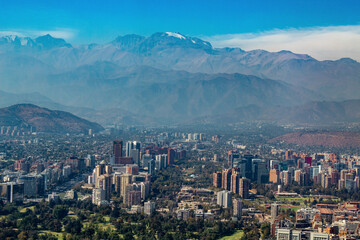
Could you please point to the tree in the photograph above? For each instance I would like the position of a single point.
(265, 230)
(54, 225)
(73, 227)
(47, 237)
(60, 212)
(89, 232)
(29, 223)
(270, 195)
(128, 236)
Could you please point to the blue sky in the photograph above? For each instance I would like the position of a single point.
(221, 22)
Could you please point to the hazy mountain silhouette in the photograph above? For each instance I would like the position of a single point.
(169, 75)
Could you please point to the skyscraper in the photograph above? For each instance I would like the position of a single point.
(226, 179)
(128, 147)
(286, 177)
(260, 171)
(248, 166)
(117, 183)
(235, 179)
(232, 155)
(334, 177)
(132, 149)
(117, 148)
(134, 198)
(274, 211)
(217, 179)
(135, 155)
(297, 176)
(274, 176)
(145, 159)
(29, 185)
(124, 181)
(98, 195)
(237, 208)
(308, 160)
(288, 154)
(161, 161)
(90, 161)
(105, 183)
(171, 156)
(244, 187)
(99, 170)
(151, 167)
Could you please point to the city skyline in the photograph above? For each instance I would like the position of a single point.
(175, 120)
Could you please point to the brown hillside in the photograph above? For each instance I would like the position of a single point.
(331, 139)
(45, 120)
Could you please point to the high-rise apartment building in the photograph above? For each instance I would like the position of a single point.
(125, 179)
(98, 196)
(217, 177)
(105, 183)
(274, 176)
(226, 179)
(235, 181)
(244, 186)
(224, 199)
(134, 198)
(274, 212)
(237, 208)
(149, 208)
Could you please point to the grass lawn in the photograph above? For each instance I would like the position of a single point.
(56, 234)
(107, 224)
(32, 208)
(235, 236)
(72, 215)
(294, 208)
(102, 226)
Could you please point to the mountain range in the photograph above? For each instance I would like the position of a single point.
(170, 77)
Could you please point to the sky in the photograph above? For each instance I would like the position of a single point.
(324, 29)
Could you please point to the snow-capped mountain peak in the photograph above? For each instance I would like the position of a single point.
(16, 41)
(177, 35)
(9, 38)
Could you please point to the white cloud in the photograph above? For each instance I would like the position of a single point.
(66, 34)
(323, 43)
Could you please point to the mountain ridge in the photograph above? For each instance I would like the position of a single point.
(45, 120)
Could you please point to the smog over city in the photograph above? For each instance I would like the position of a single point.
(172, 120)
